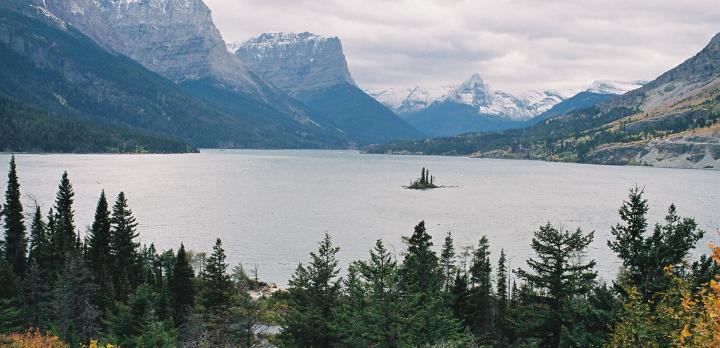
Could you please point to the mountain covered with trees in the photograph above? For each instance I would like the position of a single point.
(671, 121)
(64, 287)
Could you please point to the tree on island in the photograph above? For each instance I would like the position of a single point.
(426, 181)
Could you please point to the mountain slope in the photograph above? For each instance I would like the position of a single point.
(26, 129)
(59, 69)
(582, 100)
(178, 40)
(313, 70)
(671, 121)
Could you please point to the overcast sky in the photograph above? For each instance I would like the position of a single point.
(514, 45)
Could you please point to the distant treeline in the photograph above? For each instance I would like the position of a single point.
(27, 129)
(108, 288)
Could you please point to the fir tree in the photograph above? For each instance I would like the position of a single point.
(313, 296)
(40, 248)
(481, 292)
(76, 316)
(461, 298)
(501, 305)
(127, 269)
(215, 296)
(645, 257)
(64, 237)
(15, 238)
(447, 262)
(182, 291)
(383, 324)
(421, 283)
(10, 303)
(216, 283)
(558, 276)
(98, 253)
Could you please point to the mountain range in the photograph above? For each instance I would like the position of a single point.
(672, 121)
(474, 105)
(162, 69)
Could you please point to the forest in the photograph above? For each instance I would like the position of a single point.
(60, 287)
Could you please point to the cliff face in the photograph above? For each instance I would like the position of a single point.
(175, 38)
(313, 70)
(296, 62)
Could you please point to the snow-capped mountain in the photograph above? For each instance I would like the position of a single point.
(408, 100)
(614, 87)
(488, 101)
(473, 92)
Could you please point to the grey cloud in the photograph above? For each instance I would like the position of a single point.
(514, 44)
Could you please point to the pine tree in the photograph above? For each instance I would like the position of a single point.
(64, 236)
(215, 296)
(447, 262)
(127, 268)
(76, 316)
(135, 323)
(645, 257)
(383, 325)
(461, 299)
(98, 253)
(182, 291)
(313, 297)
(40, 248)
(216, 283)
(481, 292)
(15, 238)
(10, 303)
(501, 305)
(558, 276)
(36, 296)
(421, 283)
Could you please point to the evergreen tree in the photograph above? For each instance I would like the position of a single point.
(501, 305)
(127, 268)
(313, 296)
(461, 299)
(64, 237)
(430, 321)
(40, 248)
(481, 292)
(215, 296)
(135, 324)
(182, 291)
(15, 238)
(645, 257)
(216, 283)
(447, 262)
(37, 297)
(557, 276)
(76, 317)
(382, 321)
(98, 253)
(10, 303)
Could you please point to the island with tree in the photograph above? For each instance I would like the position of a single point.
(424, 182)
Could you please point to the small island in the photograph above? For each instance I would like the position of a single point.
(424, 182)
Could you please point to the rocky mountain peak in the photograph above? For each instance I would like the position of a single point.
(296, 62)
(175, 38)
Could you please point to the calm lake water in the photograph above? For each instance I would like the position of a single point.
(271, 207)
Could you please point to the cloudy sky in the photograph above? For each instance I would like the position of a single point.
(515, 45)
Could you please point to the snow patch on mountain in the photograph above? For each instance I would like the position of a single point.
(409, 100)
(614, 87)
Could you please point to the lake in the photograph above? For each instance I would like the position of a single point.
(271, 207)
